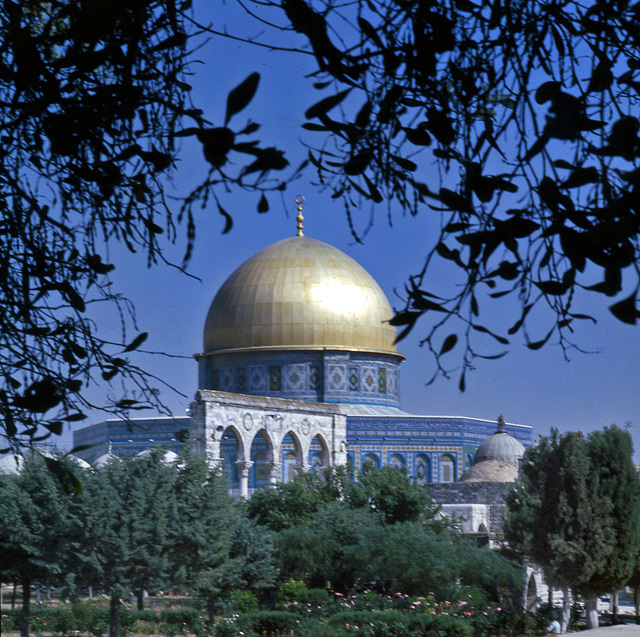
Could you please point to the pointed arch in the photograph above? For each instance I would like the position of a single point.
(319, 456)
(262, 458)
(447, 468)
(422, 470)
(231, 451)
(397, 460)
(371, 458)
(291, 458)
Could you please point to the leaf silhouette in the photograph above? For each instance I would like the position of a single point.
(240, 96)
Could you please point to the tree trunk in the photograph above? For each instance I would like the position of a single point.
(636, 603)
(14, 594)
(140, 598)
(614, 608)
(211, 610)
(26, 602)
(591, 612)
(114, 616)
(566, 609)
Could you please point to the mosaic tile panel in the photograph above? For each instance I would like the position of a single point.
(258, 378)
(369, 380)
(227, 379)
(382, 380)
(391, 382)
(241, 380)
(354, 379)
(275, 378)
(294, 378)
(337, 377)
(315, 377)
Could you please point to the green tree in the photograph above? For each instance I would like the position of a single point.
(617, 484)
(391, 492)
(128, 508)
(204, 528)
(255, 545)
(634, 583)
(293, 503)
(387, 490)
(574, 512)
(94, 102)
(105, 563)
(149, 510)
(331, 547)
(40, 528)
(516, 122)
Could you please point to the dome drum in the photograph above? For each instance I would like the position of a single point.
(327, 376)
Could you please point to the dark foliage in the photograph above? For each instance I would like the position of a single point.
(517, 123)
(94, 102)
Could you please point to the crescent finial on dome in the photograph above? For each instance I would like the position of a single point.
(300, 219)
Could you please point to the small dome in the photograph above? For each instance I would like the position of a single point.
(500, 446)
(104, 459)
(168, 457)
(300, 294)
(83, 464)
(11, 464)
(490, 471)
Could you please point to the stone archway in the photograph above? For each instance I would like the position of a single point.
(272, 419)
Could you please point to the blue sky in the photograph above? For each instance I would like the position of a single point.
(540, 388)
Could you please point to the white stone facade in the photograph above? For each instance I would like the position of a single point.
(213, 413)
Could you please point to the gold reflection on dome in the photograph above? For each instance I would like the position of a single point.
(300, 293)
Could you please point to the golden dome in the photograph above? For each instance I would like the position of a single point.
(300, 293)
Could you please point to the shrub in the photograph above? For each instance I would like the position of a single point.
(64, 621)
(10, 620)
(269, 622)
(187, 617)
(293, 591)
(227, 626)
(373, 624)
(316, 597)
(144, 627)
(243, 601)
(316, 628)
(400, 624)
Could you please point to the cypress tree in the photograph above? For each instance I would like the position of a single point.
(575, 512)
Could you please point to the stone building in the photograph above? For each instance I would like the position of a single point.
(300, 370)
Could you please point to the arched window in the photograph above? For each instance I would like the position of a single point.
(422, 471)
(397, 461)
(260, 471)
(447, 469)
(371, 459)
(289, 469)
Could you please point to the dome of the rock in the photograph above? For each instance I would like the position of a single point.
(300, 293)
